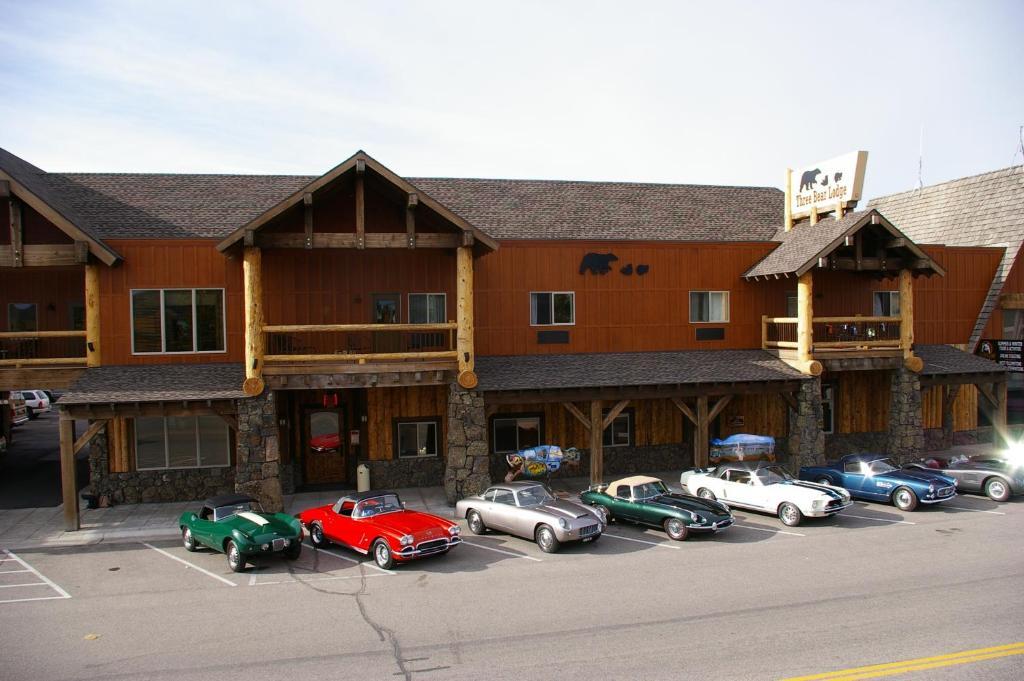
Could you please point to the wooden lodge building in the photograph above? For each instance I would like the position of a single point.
(270, 333)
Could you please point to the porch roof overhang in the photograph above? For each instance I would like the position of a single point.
(166, 383)
(807, 246)
(359, 160)
(634, 375)
(947, 365)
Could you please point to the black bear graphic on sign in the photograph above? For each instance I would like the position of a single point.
(808, 179)
(597, 263)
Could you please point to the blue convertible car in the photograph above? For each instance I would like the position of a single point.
(873, 478)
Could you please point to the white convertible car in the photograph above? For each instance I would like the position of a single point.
(765, 486)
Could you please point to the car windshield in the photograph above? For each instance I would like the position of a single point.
(880, 466)
(385, 503)
(772, 475)
(649, 490)
(533, 496)
(225, 512)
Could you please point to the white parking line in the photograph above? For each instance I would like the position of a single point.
(351, 560)
(641, 541)
(765, 529)
(312, 579)
(191, 565)
(11, 572)
(973, 510)
(43, 581)
(881, 520)
(507, 553)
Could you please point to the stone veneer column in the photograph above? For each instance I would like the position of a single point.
(906, 434)
(468, 460)
(806, 433)
(257, 466)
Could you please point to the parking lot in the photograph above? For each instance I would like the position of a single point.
(828, 594)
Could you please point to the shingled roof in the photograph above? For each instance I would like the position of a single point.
(944, 360)
(156, 383)
(981, 210)
(599, 370)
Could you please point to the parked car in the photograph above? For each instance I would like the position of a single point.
(236, 525)
(19, 413)
(873, 477)
(528, 510)
(998, 479)
(766, 487)
(36, 402)
(648, 501)
(378, 523)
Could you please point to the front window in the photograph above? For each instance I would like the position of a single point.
(427, 308)
(514, 434)
(619, 432)
(772, 475)
(533, 496)
(22, 317)
(181, 442)
(177, 320)
(386, 503)
(878, 467)
(417, 439)
(709, 306)
(792, 308)
(549, 308)
(886, 304)
(225, 512)
(649, 490)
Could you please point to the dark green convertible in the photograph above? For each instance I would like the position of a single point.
(236, 525)
(647, 501)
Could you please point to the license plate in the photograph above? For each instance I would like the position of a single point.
(279, 544)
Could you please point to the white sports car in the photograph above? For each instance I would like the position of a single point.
(767, 487)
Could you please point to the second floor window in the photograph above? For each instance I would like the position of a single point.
(886, 304)
(177, 320)
(427, 308)
(709, 306)
(22, 317)
(552, 307)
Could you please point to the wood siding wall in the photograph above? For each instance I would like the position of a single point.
(184, 263)
(52, 289)
(965, 408)
(35, 229)
(1014, 284)
(384, 405)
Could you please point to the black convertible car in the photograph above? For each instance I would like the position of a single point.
(997, 478)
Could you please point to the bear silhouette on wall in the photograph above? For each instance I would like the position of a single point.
(597, 263)
(627, 270)
(807, 180)
(642, 269)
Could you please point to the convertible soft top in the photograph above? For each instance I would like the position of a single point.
(359, 496)
(227, 500)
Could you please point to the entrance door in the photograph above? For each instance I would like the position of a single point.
(324, 446)
(387, 309)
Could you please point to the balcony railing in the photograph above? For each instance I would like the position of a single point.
(359, 343)
(42, 348)
(837, 335)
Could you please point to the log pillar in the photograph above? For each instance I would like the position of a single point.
(913, 363)
(464, 317)
(1000, 436)
(68, 480)
(252, 285)
(596, 442)
(702, 446)
(93, 356)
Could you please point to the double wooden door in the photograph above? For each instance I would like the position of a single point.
(324, 447)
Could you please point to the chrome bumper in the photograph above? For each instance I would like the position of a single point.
(935, 501)
(826, 512)
(415, 552)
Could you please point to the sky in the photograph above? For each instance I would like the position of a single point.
(691, 92)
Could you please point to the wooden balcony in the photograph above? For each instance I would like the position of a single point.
(41, 359)
(840, 342)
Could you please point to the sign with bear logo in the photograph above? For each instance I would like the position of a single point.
(827, 183)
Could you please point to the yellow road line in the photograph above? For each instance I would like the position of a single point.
(917, 664)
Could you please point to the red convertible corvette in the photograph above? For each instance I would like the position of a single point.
(378, 523)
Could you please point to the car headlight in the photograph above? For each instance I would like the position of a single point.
(563, 523)
(406, 540)
(697, 517)
(931, 488)
(454, 530)
(818, 504)
(265, 547)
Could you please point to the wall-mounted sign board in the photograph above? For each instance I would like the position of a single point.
(1006, 352)
(827, 183)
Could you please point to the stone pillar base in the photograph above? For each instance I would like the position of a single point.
(806, 432)
(468, 460)
(257, 468)
(906, 434)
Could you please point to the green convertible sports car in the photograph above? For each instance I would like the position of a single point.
(236, 525)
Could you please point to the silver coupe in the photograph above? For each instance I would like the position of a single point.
(528, 510)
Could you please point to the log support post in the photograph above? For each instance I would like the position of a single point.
(17, 248)
(789, 200)
(464, 317)
(254, 338)
(912, 362)
(93, 356)
(410, 220)
(68, 480)
(805, 361)
(702, 436)
(596, 442)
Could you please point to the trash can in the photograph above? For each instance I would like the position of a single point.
(363, 478)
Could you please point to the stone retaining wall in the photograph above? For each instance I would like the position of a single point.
(840, 444)
(257, 467)
(467, 470)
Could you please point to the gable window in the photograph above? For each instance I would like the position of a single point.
(552, 307)
(177, 320)
(22, 317)
(510, 434)
(619, 432)
(181, 442)
(427, 308)
(416, 439)
(709, 306)
(886, 303)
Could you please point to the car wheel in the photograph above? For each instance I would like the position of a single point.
(382, 555)
(675, 529)
(824, 481)
(546, 539)
(235, 559)
(705, 493)
(187, 540)
(294, 551)
(316, 535)
(904, 499)
(476, 523)
(996, 489)
(790, 515)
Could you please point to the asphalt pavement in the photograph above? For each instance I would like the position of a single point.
(934, 594)
(30, 469)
